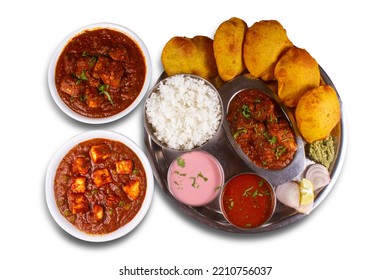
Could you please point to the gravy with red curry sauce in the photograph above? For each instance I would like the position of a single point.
(248, 201)
(100, 185)
(261, 129)
(100, 73)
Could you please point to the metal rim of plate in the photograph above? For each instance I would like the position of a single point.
(221, 147)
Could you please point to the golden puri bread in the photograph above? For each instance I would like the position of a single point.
(195, 55)
(317, 113)
(228, 40)
(296, 72)
(265, 41)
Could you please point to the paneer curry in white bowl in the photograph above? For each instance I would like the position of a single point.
(99, 186)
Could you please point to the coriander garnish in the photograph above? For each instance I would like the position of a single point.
(247, 192)
(82, 77)
(103, 90)
(180, 162)
(180, 174)
(246, 111)
(200, 175)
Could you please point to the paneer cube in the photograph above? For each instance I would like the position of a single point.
(132, 189)
(93, 98)
(112, 74)
(100, 66)
(82, 65)
(81, 165)
(78, 203)
(101, 177)
(99, 153)
(124, 166)
(98, 212)
(109, 70)
(78, 185)
(70, 86)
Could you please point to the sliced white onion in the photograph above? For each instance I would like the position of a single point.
(288, 194)
(318, 175)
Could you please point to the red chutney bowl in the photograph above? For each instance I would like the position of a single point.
(248, 201)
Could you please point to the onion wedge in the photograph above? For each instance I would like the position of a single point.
(318, 175)
(289, 194)
(297, 195)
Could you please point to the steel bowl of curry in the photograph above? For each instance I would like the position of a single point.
(248, 201)
(99, 73)
(261, 130)
(99, 186)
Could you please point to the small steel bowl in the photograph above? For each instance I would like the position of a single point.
(195, 178)
(152, 131)
(248, 193)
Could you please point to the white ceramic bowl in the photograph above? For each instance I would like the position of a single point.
(51, 172)
(57, 53)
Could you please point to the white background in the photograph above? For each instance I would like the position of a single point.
(346, 236)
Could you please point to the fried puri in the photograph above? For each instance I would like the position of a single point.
(265, 41)
(296, 72)
(317, 113)
(195, 55)
(228, 40)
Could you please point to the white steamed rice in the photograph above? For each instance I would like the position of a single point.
(185, 112)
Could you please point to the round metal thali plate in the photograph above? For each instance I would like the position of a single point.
(233, 163)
